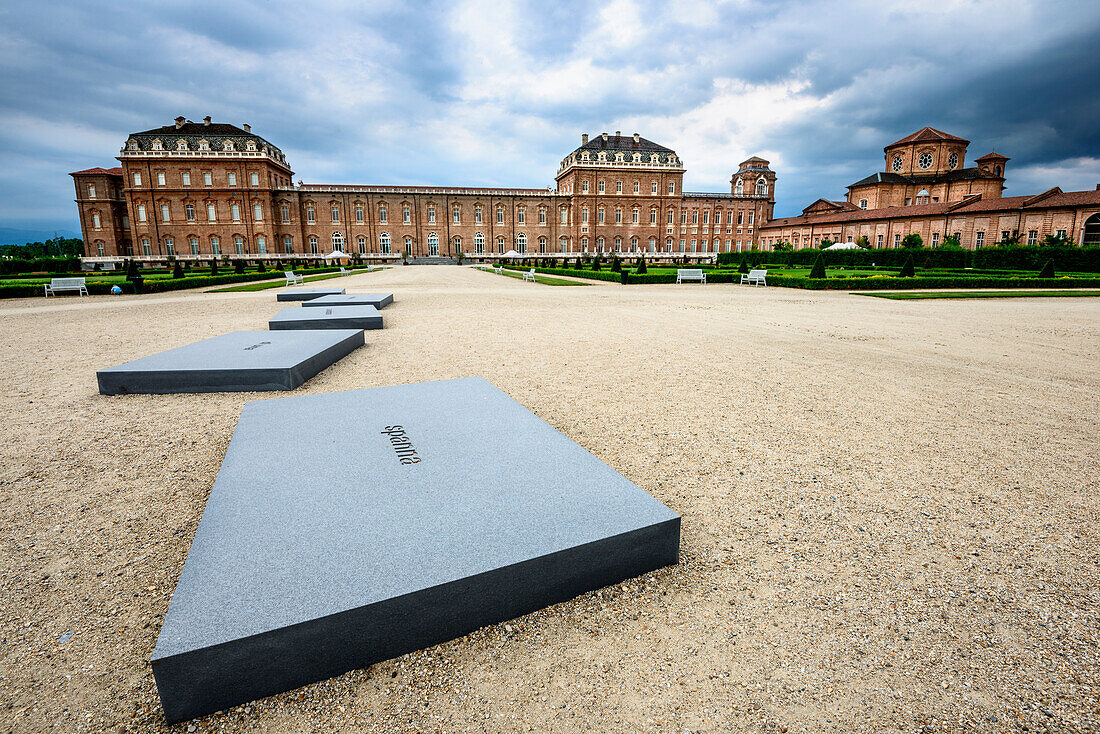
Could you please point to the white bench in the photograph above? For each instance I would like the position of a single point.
(684, 275)
(755, 277)
(530, 275)
(344, 271)
(56, 285)
(498, 270)
(292, 279)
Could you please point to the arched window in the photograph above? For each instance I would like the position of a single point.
(456, 243)
(584, 244)
(563, 244)
(384, 243)
(668, 245)
(761, 186)
(542, 245)
(361, 241)
(633, 244)
(1091, 234)
(618, 244)
(479, 243)
(653, 244)
(433, 244)
(288, 244)
(337, 240)
(599, 244)
(408, 244)
(313, 245)
(521, 243)
(739, 188)
(500, 245)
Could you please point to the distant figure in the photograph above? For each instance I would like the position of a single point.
(115, 290)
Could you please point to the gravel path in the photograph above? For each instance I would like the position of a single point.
(890, 509)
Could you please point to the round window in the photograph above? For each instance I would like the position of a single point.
(925, 160)
(952, 160)
(897, 163)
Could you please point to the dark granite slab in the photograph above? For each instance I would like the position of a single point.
(378, 300)
(239, 360)
(331, 317)
(307, 294)
(354, 527)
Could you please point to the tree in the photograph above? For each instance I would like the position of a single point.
(1009, 240)
(912, 241)
(177, 270)
(642, 270)
(596, 263)
(616, 266)
(818, 270)
(743, 268)
(1054, 240)
(260, 267)
(863, 242)
(908, 270)
(238, 267)
(951, 242)
(131, 269)
(1048, 270)
(782, 246)
(825, 242)
(577, 265)
(214, 266)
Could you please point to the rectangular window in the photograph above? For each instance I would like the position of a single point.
(215, 246)
(500, 216)
(584, 215)
(1060, 234)
(431, 215)
(238, 245)
(653, 188)
(897, 241)
(125, 222)
(141, 212)
(672, 187)
(335, 213)
(879, 241)
(979, 239)
(160, 178)
(235, 212)
(383, 217)
(634, 216)
(935, 239)
(542, 217)
(164, 212)
(599, 216)
(564, 215)
(194, 242)
(95, 220)
(169, 246)
(186, 176)
(91, 192)
(618, 216)
(521, 216)
(706, 217)
(752, 218)
(254, 179)
(359, 213)
(682, 245)
(137, 179)
(284, 212)
(146, 249)
(211, 212)
(584, 187)
(695, 217)
(207, 179)
(862, 203)
(288, 244)
(261, 245)
(1004, 235)
(740, 218)
(257, 212)
(683, 216)
(406, 215)
(1032, 237)
(652, 216)
(600, 187)
(670, 216)
(230, 175)
(618, 187)
(189, 212)
(311, 215)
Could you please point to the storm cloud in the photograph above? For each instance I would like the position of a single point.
(492, 93)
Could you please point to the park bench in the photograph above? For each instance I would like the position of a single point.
(754, 277)
(56, 285)
(344, 271)
(292, 279)
(683, 275)
(530, 275)
(498, 270)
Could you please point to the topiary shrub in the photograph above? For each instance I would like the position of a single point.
(818, 270)
(616, 266)
(577, 265)
(131, 269)
(260, 267)
(214, 267)
(1048, 269)
(596, 264)
(177, 270)
(642, 269)
(238, 267)
(622, 275)
(743, 268)
(908, 270)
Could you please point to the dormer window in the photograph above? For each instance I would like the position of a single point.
(584, 156)
(132, 145)
(603, 156)
(157, 145)
(181, 145)
(654, 158)
(637, 157)
(618, 157)
(251, 145)
(228, 145)
(204, 145)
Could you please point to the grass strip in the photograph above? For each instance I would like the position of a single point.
(265, 284)
(925, 295)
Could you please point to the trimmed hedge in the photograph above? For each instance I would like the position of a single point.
(1086, 260)
(160, 285)
(11, 266)
(591, 275)
(893, 283)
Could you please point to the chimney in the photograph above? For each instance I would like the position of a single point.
(603, 135)
(247, 127)
(206, 120)
(618, 133)
(1098, 187)
(179, 121)
(637, 137)
(584, 139)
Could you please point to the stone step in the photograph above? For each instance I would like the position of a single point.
(433, 261)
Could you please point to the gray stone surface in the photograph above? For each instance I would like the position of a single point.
(378, 300)
(307, 294)
(330, 317)
(353, 527)
(239, 360)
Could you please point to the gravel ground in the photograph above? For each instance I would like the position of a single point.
(889, 509)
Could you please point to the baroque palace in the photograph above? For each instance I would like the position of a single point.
(202, 190)
(197, 190)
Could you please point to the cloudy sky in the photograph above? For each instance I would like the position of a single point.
(494, 93)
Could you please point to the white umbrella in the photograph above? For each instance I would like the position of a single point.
(511, 253)
(844, 246)
(337, 255)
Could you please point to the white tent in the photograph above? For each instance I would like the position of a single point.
(337, 255)
(511, 253)
(844, 246)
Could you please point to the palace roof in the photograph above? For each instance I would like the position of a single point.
(927, 134)
(963, 174)
(116, 171)
(624, 143)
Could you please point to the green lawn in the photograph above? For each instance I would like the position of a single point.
(263, 285)
(924, 295)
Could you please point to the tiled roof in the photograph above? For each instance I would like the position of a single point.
(216, 133)
(927, 133)
(116, 171)
(881, 177)
(624, 143)
(992, 157)
(976, 205)
(342, 188)
(925, 179)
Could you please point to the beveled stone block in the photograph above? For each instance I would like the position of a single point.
(378, 300)
(353, 527)
(239, 360)
(307, 294)
(331, 317)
